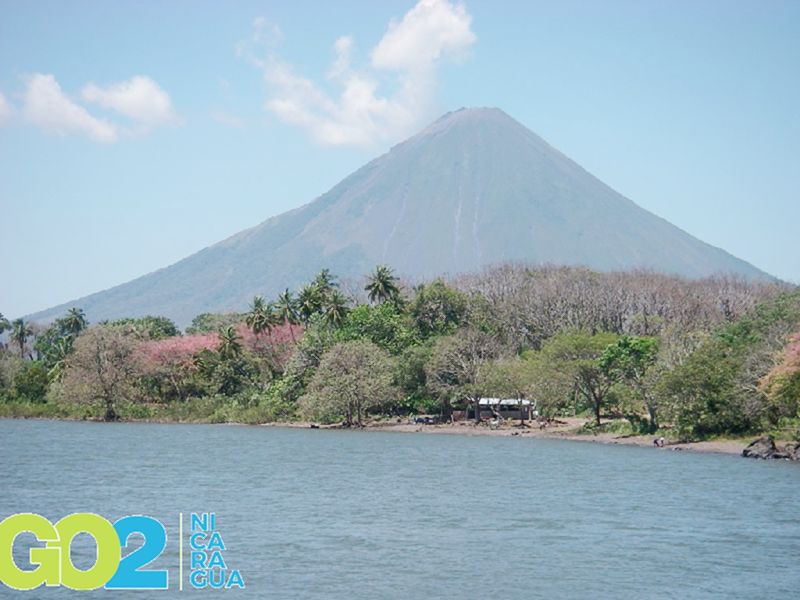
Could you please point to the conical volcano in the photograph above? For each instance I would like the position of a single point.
(474, 188)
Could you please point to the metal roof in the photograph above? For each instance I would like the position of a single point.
(503, 402)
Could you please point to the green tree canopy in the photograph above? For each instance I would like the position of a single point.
(213, 322)
(454, 370)
(385, 325)
(438, 309)
(630, 360)
(352, 378)
(568, 367)
(149, 327)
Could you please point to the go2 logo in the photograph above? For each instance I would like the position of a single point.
(53, 562)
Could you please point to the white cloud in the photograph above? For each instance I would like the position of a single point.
(343, 49)
(406, 59)
(46, 106)
(6, 110)
(429, 31)
(140, 99)
(264, 35)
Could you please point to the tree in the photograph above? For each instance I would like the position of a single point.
(550, 387)
(227, 371)
(10, 366)
(5, 324)
(335, 309)
(412, 379)
(168, 365)
(438, 309)
(20, 332)
(630, 360)
(385, 325)
(717, 388)
(213, 322)
(101, 369)
(781, 384)
(530, 304)
(149, 327)
(573, 357)
(382, 286)
(309, 302)
(229, 343)
(453, 372)
(56, 358)
(286, 308)
(30, 382)
(701, 395)
(325, 283)
(74, 321)
(352, 378)
(507, 378)
(261, 317)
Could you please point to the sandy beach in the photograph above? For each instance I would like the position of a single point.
(565, 430)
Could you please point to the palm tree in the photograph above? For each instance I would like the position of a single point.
(229, 343)
(57, 356)
(4, 323)
(309, 302)
(325, 283)
(75, 321)
(381, 285)
(286, 310)
(20, 332)
(335, 309)
(261, 317)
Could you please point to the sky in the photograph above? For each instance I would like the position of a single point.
(133, 134)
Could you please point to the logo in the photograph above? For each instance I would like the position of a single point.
(113, 570)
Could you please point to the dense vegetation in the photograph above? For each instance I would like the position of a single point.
(696, 358)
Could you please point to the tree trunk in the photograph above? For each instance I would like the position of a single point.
(597, 403)
(651, 411)
(111, 414)
(447, 410)
(477, 410)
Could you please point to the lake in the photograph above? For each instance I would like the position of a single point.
(368, 515)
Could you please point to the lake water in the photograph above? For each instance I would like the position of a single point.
(369, 515)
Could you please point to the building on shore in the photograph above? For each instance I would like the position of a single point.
(508, 408)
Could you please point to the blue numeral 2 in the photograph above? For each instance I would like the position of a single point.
(128, 576)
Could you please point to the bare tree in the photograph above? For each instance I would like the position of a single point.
(101, 369)
(528, 305)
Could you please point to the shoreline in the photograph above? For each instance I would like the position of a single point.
(567, 432)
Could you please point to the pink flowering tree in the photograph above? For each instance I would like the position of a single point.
(274, 346)
(782, 383)
(167, 365)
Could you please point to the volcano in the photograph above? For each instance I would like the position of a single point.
(474, 188)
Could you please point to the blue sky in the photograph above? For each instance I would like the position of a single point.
(133, 134)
